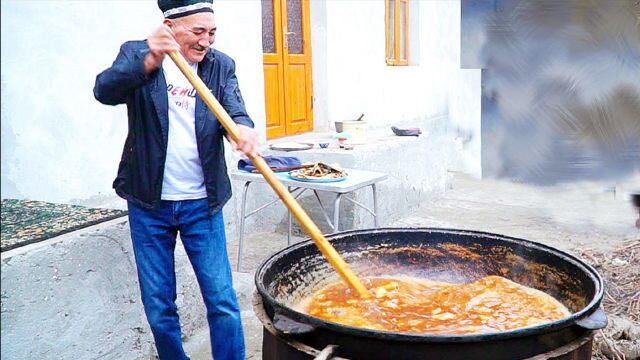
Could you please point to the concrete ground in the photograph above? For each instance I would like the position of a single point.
(569, 217)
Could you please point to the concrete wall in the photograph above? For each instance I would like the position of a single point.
(58, 143)
(357, 77)
(77, 297)
(352, 77)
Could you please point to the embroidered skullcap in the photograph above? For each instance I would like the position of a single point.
(172, 9)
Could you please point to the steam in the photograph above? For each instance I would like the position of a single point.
(561, 87)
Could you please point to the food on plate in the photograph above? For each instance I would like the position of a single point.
(319, 170)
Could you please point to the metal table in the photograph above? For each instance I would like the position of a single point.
(357, 179)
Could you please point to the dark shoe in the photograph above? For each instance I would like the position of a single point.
(406, 131)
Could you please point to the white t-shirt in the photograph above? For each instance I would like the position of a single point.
(183, 178)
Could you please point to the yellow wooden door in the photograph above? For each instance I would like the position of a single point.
(287, 67)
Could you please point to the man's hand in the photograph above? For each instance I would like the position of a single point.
(160, 42)
(248, 142)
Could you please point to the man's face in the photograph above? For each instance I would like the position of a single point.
(195, 34)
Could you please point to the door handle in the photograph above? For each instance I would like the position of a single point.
(286, 38)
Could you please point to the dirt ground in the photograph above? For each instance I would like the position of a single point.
(594, 221)
(621, 271)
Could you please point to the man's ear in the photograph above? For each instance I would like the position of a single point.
(169, 23)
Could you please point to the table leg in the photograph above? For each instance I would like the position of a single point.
(336, 212)
(243, 210)
(288, 221)
(375, 206)
(324, 212)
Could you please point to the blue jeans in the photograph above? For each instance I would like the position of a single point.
(153, 233)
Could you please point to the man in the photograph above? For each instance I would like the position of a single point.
(173, 173)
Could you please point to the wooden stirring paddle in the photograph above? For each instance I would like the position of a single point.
(309, 226)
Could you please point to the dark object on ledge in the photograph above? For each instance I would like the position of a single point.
(406, 131)
(635, 200)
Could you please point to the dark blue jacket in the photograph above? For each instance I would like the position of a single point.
(141, 168)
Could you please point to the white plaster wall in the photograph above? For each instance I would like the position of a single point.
(240, 36)
(351, 76)
(319, 56)
(58, 143)
(361, 82)
(464, 102)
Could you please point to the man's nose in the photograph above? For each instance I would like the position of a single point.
(205, 42)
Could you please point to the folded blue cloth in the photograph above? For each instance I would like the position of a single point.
(276, 163)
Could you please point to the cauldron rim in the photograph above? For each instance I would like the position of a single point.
(285, 310)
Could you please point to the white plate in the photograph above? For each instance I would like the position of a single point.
(317, 180)
(290, 146)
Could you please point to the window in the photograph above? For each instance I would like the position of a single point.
(397, 25)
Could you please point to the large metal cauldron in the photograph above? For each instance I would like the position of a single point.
(440, 255)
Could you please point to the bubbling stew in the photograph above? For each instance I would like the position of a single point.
(412, 305)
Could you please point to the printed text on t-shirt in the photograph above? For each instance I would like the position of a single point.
(179, 95)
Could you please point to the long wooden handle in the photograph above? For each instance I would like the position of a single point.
(310, 227)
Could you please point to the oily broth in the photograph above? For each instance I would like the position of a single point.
(413, 305)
